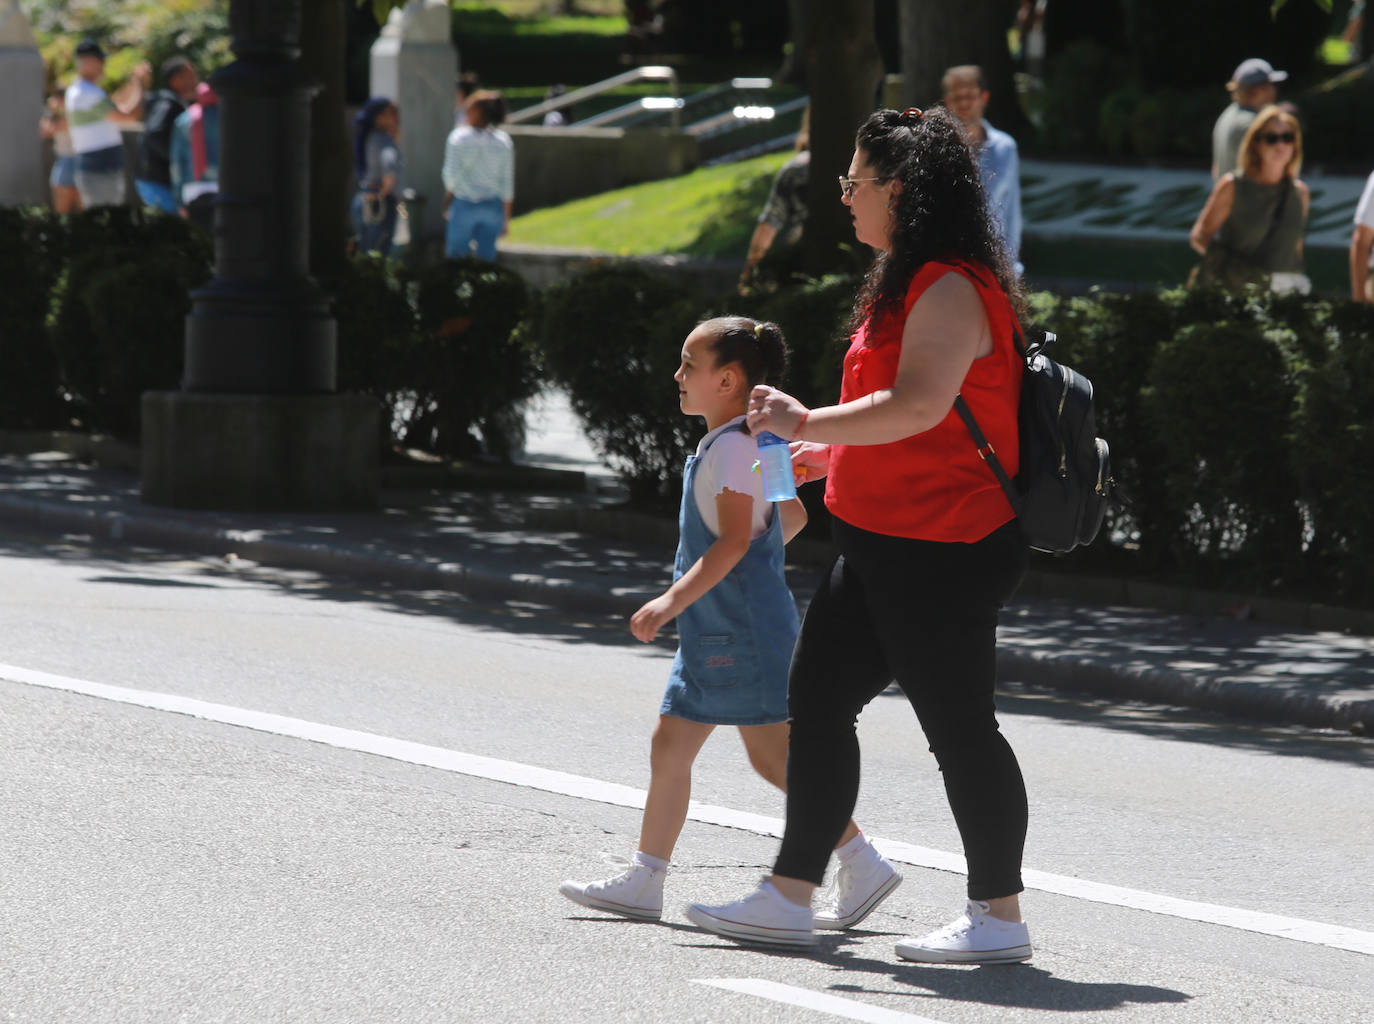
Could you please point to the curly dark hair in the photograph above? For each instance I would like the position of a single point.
(941, 212)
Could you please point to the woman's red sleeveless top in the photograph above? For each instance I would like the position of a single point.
(932, 485)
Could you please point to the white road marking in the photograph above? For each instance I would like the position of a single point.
(582, 788)
(850, 1009)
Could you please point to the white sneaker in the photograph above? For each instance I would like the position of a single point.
(975, 938)
(636, 892)
(861, 883)
(764, 916)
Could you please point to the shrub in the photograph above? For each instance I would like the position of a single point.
(378, 337)
(117, 311)
(472, 368)
(613, 337)
(1333, 432)
(30, 384)
(1223, 447)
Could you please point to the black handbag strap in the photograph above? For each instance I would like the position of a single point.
(988, 453)
(1278, 214)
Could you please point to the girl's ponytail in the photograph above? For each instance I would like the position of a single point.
(757, 346)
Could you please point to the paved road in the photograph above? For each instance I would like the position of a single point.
(161, 867)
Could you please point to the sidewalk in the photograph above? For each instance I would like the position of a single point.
(573, 549)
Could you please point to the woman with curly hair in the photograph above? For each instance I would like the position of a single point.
(929, 548)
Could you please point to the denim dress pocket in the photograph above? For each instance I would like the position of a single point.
(717, 661)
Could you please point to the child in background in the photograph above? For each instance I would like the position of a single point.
(737, 623)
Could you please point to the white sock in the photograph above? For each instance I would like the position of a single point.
(650, 861)
(778, 893)
(852, 848)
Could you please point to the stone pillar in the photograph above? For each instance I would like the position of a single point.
(414, 63)
(21, 85)
(256, 425)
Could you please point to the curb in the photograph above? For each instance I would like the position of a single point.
(1057, 672)
(1162, 686)
(420, 573)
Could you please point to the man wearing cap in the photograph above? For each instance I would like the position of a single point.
(1251, 87)
(93, 121)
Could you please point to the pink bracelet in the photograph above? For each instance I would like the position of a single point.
(800, 423)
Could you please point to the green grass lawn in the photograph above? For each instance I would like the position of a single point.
(709, 213)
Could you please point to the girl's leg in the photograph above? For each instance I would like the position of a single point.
(767, 749)
(675, 745)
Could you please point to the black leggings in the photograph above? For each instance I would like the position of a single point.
(925, 614)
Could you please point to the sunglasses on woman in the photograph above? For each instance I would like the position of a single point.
(1274, 138)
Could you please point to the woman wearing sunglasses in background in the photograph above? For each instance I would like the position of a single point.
(1250, 231)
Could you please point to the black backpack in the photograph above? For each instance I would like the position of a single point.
(1064, 482)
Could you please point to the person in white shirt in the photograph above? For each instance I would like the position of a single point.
(93, 121)
(1362, 246)
(479, 179)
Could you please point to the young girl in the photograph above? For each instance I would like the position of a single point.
(736, 622)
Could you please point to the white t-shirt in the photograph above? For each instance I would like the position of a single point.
(730, 464)
(1364, 211)
(90, 130)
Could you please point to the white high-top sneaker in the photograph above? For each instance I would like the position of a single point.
(861, 883)
(974, 938)
(764, 916)
(636, 892)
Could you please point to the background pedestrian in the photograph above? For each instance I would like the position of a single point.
(93, 120)
(1253, 86)
(1250, 230)
(153, 179)
(999, 162)
(62, 181)
(479, 179)
(377, 162)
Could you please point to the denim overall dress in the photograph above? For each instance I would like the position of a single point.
(735, 641)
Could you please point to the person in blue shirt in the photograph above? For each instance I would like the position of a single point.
(966, 97)
(194, 160)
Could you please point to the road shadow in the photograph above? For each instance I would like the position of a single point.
(1171, 722)
(1016, 986)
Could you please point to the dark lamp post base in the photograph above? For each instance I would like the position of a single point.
(260, 453)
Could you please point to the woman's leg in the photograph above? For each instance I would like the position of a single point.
(458, 234)
(837, 669)
(675, 745)
(489, 216)
(66, 199)
(941, 642)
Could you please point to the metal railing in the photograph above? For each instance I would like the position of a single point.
(649, 73)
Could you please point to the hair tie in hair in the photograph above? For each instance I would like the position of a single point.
(758, 330)
(912, 116)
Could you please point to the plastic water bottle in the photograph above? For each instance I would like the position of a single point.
(775, 461)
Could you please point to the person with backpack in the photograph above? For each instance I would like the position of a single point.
(929, 545)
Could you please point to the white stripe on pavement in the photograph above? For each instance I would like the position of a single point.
(547, 780)
(850, 1009)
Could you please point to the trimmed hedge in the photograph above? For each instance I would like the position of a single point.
(94, 314)
(1240, 426)
(30, 391)
(613, 337)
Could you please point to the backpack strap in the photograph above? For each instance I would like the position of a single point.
(988, 453)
